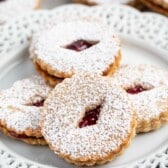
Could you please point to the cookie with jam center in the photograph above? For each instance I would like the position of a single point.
(87, 121)
(21, 108)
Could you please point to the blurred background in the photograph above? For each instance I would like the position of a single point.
(49, 4)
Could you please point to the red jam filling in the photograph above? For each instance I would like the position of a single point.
(38, 104)
(135, 90)
(90, 117)
(18, 136)
(80, 45)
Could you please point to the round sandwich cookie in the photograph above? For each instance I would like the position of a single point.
(10, 9)
(160, 6)
(86, 121)
(147, 87)
(21, 108)
(75, 47)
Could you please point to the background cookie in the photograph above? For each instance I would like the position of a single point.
(86, 121)
(96, 2)
(147, 86)
(134, 3)
(74, 47)
(160, 6)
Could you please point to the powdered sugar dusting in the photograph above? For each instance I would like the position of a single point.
(15, 110)
(14, 8)
(49, 47)
(151, 103)
(66, 106)
(21, 118)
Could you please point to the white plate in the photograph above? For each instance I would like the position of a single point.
(146, 150)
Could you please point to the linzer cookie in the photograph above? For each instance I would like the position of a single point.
(87, 121)
(75, 47)
(20, 109)
(147, 86)
(13, 8)
(160, 6)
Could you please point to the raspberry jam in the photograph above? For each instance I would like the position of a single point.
(90, 117)
(38, 104)
(18, 136)
(80, 45)
(135, 90)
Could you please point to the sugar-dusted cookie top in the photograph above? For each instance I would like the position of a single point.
(77, 46)
(87, 121)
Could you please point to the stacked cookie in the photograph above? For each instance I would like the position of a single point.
(79, 46)
(13, 8)
(90, 107)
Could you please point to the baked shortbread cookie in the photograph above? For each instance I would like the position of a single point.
(147, 86)
(75, 47)
(50, 79)
(86, 121)
(13, 8)
(21, 107)
(160, 6)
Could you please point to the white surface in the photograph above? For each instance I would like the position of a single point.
(137, 48)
